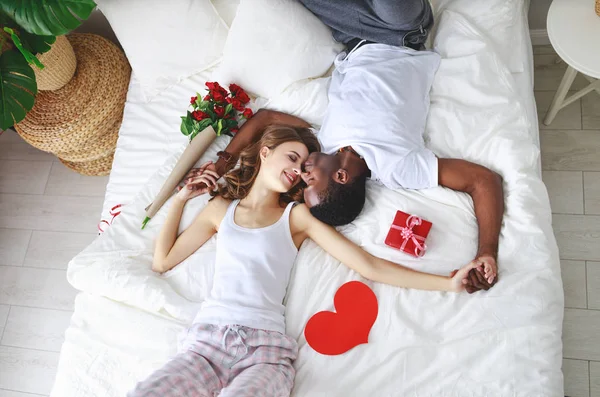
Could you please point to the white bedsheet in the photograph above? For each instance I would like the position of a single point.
(504, 342)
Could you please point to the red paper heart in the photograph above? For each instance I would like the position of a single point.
(333, 333)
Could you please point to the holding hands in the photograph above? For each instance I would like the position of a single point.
(460, 280)
(482, 276)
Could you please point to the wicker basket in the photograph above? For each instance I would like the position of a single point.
(598, 7)
(80, 122)
(59, 65)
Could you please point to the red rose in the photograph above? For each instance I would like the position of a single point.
(193, 100)
(234, 130)
(243, 97)
(239, 93)
(237, 104)
(218, 96)
(219, 111)
(199, 115)
(207, 98)
(234, 88)
(217, 92)
(212, 86)
(228, 99)
(247, 113)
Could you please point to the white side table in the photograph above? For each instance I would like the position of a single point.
(574, 31)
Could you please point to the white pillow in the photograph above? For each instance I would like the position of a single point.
(500, 20)
(274, 43)
(166, 41)
(307, 99)
(226, 9)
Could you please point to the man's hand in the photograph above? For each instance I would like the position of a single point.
(483, 277)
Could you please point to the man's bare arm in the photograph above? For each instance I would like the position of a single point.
(251, 131)
(485, 188)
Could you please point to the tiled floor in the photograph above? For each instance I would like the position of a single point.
(571, 164)
(48, 214)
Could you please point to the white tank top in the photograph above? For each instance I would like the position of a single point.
(252, 272)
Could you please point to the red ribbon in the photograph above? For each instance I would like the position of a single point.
(114, 214)
(406, 232)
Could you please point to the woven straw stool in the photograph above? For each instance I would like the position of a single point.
(100, 166)
(80, 122)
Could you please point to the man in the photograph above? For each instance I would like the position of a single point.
(374, 124)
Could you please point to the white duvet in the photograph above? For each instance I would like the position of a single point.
(504, 342)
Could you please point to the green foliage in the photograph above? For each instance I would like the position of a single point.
(187, 124)
(48, 17)
(17, 88)
(201, 126)
(29, 57)
(35, 43)
(32, 26)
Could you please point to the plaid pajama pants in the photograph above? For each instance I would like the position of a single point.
(225, 361)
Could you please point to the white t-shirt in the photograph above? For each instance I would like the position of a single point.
(378, 104)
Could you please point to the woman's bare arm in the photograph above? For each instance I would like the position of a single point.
(367, 265)
(171, 250)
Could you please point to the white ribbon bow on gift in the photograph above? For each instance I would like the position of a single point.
(406, 232)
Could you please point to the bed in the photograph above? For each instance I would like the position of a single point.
(504, 342)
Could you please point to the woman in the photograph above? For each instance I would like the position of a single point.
(237, 344)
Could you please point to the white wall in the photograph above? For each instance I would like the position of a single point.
(538, 10)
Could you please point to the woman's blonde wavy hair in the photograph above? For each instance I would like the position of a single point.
(240, 180)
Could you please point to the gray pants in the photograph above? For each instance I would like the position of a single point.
(394, 22)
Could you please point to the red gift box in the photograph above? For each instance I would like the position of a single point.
(408, 233)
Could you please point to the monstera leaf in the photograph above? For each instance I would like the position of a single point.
(27, 54)
(48, 17)
(17, 88)
(35, 43)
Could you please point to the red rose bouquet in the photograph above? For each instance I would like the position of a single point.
(215, 114)
(218, 109)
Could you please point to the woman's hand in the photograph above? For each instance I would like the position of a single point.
(488, 263)
(198, 181)
(194, 172)
(459, 279)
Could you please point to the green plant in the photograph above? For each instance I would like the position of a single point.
(28, 28)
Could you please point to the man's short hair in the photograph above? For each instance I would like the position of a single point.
(341, 203)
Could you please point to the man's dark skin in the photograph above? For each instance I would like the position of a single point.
(484, 186)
